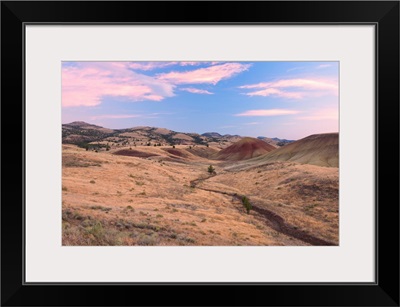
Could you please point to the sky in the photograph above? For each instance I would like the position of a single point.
(289, 100)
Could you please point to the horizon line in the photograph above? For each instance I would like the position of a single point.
(80, 121)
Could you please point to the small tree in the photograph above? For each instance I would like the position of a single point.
(211, 169)
(246, 204)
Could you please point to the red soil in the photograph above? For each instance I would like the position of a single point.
(176, 152)
(244, 149)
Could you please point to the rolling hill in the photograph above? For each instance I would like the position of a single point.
(96, 137)
(246, 148)
(316, 149)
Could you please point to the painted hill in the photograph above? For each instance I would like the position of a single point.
(316, 149)
(246, 148)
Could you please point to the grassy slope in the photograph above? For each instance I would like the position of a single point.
(121, 200)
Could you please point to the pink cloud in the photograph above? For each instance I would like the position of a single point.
(150, 65)
(302, 83)
(324, 66)
(146, 66)
(270, 112)
(197, 63)
(196, 91)
(190, 63)
(209, 75)
(284, 88)
(86, 83)
(276, 92)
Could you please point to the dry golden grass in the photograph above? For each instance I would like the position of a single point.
(121, 200)
(306, 196)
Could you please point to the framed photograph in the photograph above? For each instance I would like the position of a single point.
(243, 146)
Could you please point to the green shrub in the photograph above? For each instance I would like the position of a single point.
(211, 169)
(246, 203)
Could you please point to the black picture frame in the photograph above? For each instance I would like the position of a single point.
(383, 14)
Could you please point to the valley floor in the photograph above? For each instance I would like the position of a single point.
(169, 198)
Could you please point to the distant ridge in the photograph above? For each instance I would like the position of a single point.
(277, 142)
(82, 124)
(212, 134)
(246, 148)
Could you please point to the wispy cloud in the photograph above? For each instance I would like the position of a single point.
(86, 83)
(293, 88)
(190, 63)
(150, 65)
(324, 66)
(198, 63)
(208, 75)
(276, 92)
(269, 112)
(147, 66)
(196, 90)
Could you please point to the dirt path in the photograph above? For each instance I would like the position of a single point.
(272, 219)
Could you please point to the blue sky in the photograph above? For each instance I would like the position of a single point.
(276, 99)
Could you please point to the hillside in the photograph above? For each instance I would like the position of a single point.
(246, 148)
(316, 149)
(95, 137)
(164, 196)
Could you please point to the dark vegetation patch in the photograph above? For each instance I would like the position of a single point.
(105, 209)
(316, 190)
(82, 137)
(198, 139)
(169, 138)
